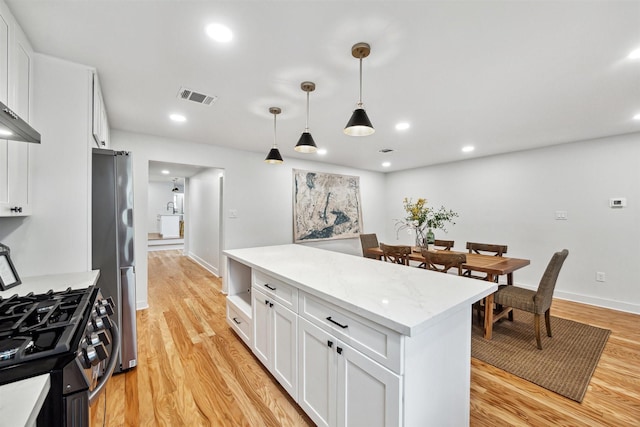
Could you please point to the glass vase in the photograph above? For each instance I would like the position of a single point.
(420, 239)
(431, 238)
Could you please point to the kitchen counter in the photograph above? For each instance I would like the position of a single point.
(20, 402)
(387, 344)
(57, 282)
(406, 300)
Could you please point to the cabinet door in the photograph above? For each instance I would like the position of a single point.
(285, 351)
(317, 373)
(368, 394)
(261, 326)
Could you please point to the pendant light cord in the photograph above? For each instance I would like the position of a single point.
(306, 128)
(275, 145)
(360, 98)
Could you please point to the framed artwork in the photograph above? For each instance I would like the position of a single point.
(325, 206)
(8, 274)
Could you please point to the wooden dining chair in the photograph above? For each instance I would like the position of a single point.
(537, 302)
(397, 254)
(484, 249)
(443, 261)
(369, 241)
(443, 245)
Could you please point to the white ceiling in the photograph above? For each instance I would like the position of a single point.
(500, 75)
(176, 170)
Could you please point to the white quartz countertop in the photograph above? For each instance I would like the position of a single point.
(20, 402)
(404, 299)
(57, 282)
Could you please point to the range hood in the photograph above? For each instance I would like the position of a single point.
(14, 128)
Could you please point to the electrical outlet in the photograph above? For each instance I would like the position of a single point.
(600, 276)
(561, 215)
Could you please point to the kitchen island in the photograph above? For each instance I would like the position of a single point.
(356, 341)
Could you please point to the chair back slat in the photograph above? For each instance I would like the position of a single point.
(444, 245)
(479, 248)
(443, 261)
(397, 254)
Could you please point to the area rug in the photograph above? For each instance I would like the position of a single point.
(564, 365)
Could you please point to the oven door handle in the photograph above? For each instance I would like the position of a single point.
(111, 366)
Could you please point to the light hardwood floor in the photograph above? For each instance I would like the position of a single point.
(193, 370)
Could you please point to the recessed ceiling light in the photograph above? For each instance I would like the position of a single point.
(219, 33)
(468, 148)
(634, 54)
(178, 118)
(386, 164)
(5, 132)
(164, 172)
(321, 151)
(403, 126)
(636, 117)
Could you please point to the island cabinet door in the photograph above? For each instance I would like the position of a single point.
(261, 325)
(368, 394)
(275, 340)
(317, 373)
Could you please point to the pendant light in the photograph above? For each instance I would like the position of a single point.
(175, 188)
(306, 144)
(274, 156)
(359, 124)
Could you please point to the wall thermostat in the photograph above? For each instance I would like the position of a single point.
(618, 202)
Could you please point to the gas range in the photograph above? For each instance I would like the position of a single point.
(66, 334)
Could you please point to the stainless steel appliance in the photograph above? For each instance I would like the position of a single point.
(113, 243)
(68, 335)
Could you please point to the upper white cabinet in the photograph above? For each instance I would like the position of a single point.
(15, 92)
(100, 124)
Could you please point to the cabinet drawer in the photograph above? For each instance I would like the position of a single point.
(379, 343)
(281, 292)
(240, 323)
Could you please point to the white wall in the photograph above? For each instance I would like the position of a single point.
(259, 192)
(203, 220)
(56, 238)
(512, 199)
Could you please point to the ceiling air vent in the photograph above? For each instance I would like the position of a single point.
(192, 95)
(385, 150)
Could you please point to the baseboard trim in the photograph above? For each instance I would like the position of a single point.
(210, 268)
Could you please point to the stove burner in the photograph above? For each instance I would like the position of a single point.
(36, 326)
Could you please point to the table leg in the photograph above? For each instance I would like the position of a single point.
(510, 279)
(488, 316)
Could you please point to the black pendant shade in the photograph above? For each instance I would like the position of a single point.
(359, 124)
(273, 156)
(306, 144)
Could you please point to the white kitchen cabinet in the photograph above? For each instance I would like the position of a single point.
(15, 87)
(378, 344)
(237, 283)
(100, 123)
(275, 339)
(339, 386)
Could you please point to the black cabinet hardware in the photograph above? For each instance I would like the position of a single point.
(266, 301)
(334, 322)
(269, 287)
(17, 209)
(270, 304)
(235, 319)
(339, 350)
(330, 344)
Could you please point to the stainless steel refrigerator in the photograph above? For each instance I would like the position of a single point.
(112, 243)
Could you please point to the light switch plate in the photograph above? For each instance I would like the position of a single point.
(561, 215)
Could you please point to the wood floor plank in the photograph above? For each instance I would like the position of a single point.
(194, 371)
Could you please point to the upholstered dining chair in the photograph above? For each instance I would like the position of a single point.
(397, 254)
(537, 302)
(443, 245)
(369, 241)
(443, 261)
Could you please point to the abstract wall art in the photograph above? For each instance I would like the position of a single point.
(325, 206)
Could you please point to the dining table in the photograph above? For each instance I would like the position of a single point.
(492, 266)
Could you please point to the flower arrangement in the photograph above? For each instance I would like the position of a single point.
(420, 216)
